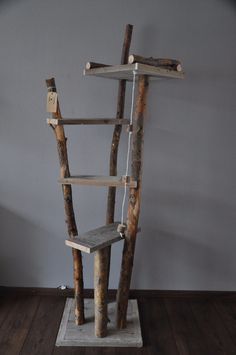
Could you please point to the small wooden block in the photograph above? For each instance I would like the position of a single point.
(52, 102)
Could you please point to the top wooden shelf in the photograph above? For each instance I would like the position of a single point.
(126, 72)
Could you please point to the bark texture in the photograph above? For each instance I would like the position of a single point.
(156, 62)
(133, 205)
(69, 210)
(100, 292)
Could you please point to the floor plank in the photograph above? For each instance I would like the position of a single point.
(187, 334)
(43, 331)
(215, 334)
(170, 326)
(17, 323)
(227, 313)
(156, 330)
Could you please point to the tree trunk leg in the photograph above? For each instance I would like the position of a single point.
(134, 204)
(100, 292)
(78, 286)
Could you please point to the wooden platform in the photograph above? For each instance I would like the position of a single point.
(97, 180)
(95, 239)
(72, 335)
(126, 72)
(87, 121)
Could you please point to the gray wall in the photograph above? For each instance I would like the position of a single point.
(188, 215)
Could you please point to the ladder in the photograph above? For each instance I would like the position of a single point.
(99, 240)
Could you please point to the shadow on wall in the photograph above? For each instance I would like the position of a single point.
(189, 250)
(21, 244)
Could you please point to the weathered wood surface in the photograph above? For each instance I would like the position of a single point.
(96, 239)
(87, 121)
(125, 72)
(97, 180)
(133, 205)
(100, 291)
(83, 336)
(156, 62)
(69, 210)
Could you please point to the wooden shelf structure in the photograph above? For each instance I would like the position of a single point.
(96, 239)
(125, 72)
(100, 240)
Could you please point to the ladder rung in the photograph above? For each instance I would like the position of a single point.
(98, 180)
(87, 121)
(95, 239)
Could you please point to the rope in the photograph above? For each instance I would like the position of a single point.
(128, 151)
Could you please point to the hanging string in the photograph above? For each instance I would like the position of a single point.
(129, 146)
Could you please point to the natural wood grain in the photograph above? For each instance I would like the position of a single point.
(157, 324)
(188, 336)
(111, 196)
(227, 313)
(156, 328)
(156, 62)
(69, 210)
(100, 292)
(87, 121)
(213, 330)
(43, 330)
(125, 72)
(96, 239)
(133, 205)
(16, 325)
(97, 180)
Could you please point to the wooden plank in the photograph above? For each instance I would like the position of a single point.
(97, 180)
(227, 312)
(213, 329)
(70, 335)
(156, 328)
(87, 121)
(188, 335)
(43, 331)
(125, 72)
(95, 239)
(16, 325)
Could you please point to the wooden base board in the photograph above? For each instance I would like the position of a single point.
(72, 335)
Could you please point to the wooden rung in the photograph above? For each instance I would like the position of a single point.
(96, 239)
(87, 121)
(97, 180)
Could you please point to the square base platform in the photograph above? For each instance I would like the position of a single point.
(71, 334)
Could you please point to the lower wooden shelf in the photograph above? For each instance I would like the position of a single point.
(95, 239)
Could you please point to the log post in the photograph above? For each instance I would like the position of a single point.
(69, 211)
(100, 292)
(156, 62)
(111, 198)
(133, 205)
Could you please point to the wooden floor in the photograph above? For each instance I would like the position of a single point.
(171, 324)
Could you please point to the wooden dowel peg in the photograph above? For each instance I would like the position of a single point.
(92, 65)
